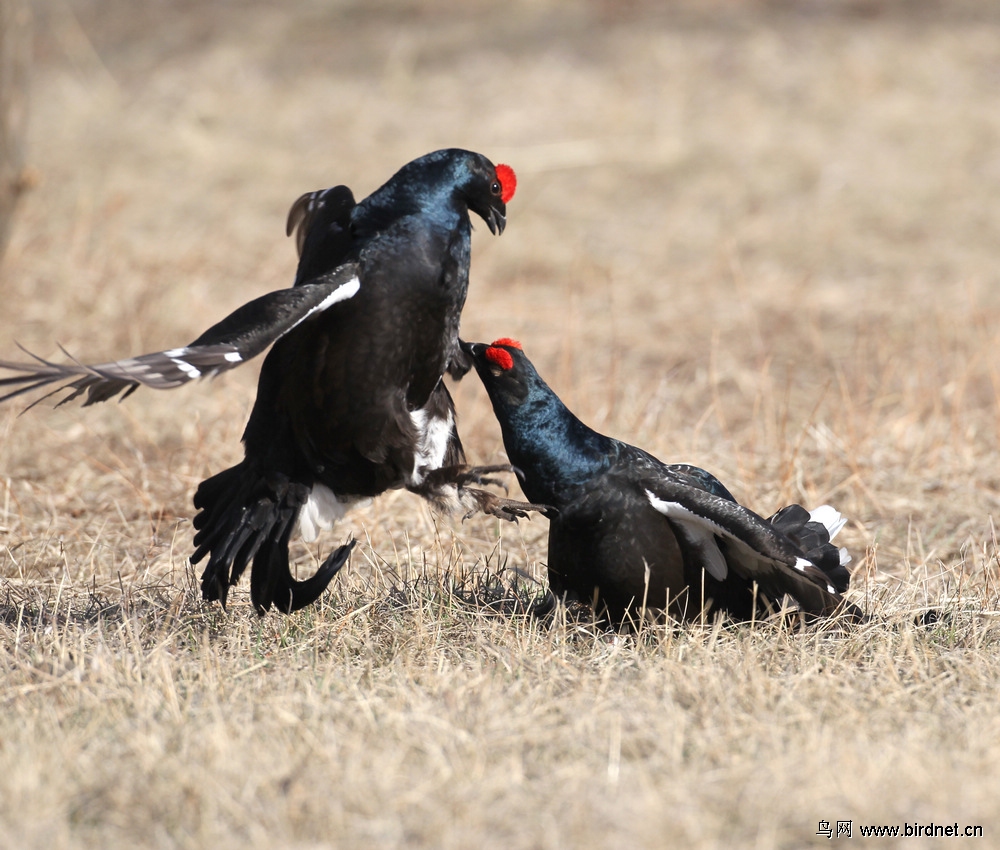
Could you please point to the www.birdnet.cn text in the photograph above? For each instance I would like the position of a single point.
(848, 829)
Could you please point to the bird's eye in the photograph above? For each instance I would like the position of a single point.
(496, 188)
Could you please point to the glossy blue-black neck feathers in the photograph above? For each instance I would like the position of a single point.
(554, 450)
(432, 186)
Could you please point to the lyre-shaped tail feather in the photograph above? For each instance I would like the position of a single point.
(246, 518)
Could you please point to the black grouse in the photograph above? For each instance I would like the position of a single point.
(629, 533)
(350, 400)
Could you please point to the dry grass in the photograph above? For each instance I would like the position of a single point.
(759, 237)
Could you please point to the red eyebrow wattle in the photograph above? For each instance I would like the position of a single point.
(500, 357)
(508, 182)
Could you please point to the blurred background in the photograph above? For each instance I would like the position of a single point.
(762, 237)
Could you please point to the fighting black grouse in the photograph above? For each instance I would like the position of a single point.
(629, 533)
(350, 400)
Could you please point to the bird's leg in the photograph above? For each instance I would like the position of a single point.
(447, 489)
(459, 476)
(508, 509)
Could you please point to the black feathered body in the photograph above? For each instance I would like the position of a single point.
(353, 403)
(606, 543)
(628, 532)
(344, 390)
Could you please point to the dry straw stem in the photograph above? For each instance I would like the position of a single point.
(760, 237)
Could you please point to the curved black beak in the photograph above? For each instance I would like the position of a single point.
(496, 221)
(471, 348)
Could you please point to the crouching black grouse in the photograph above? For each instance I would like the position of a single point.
(628, 532)
(350, 400)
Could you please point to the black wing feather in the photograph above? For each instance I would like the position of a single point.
(321, 222)
(750, 544)
(239, 337)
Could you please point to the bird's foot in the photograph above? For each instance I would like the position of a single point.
(438, 481)
(509, 509)
(462, 475)
(448, 489)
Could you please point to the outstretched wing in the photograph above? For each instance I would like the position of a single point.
(725, 535)
(240, 336)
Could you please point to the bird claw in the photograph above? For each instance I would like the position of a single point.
(447, 488)
(506, 509)
(480, 475)
(459, 476)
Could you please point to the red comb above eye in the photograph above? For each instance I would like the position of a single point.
(508, 182)
(500, 357)
(510, 343)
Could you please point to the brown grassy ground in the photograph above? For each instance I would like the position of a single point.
(762, 238)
